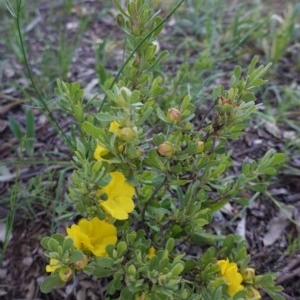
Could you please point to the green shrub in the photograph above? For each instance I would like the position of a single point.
(147, 181)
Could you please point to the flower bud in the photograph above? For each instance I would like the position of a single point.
(173, 115)
(200, 147)
(82, 263)
(249, 274)
(253, 293)
(166, 149)
(65, 274)
(127, 134)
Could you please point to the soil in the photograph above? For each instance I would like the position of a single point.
(23, 266)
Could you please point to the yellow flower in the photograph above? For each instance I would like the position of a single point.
(100, 152)
(232, 277)
(54, 264)
(151, 252)
(114, 127)
(119, 193)
(93, 235)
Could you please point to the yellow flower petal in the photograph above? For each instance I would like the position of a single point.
(151, 252)
(223, 265)
(119, 193)
(232, 277)
(100, 152)
(100, 249)
(93, 235)
(54, 264)
(114, 127)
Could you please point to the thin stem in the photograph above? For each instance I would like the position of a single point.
(138, 47)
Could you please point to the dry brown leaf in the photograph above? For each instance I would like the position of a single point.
(277, 226)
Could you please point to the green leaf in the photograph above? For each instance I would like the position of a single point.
(176, 231)
(76, 255)
(15, 128)
(248, 97)
(218, 171)
(103, 117)
(153, 160)
(177, 269)
(189, 265)
(145, 116)
(101, 73)
(91, 129)
(104, 262)
(202, 238)
(237, 72)
(201, 222)
(246, 169)
(156, 88)
(121, 248)
(53, 245)
(217, 92)
(185, 103)
(77, 112)
(273, 295)
(58, 237)
(269, 171)
(278, 159)
(252, 65)
(50, 283)
(170, 244)
(259, 187)
(67, 244)
(44, 242)
(101, 273)
(161, 115)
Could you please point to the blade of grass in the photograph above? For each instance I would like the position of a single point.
(15, 128)
(28, 68)
(30, 133)
(12, 207)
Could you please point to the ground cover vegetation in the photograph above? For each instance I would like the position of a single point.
(150, 150)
